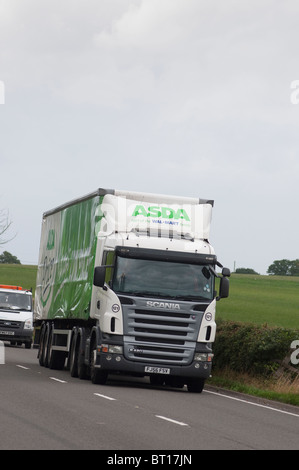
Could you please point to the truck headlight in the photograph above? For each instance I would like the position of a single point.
(111, 348)
(203, 357)
(115, 349)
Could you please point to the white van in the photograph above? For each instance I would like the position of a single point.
(16, 315)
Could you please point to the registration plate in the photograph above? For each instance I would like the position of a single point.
(9, 333)
(157, 370)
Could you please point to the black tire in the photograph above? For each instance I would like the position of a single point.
(97, 376)
(47, 344)
(74, 357)
(57, 360)
(82, 369)
(42, 345)
(195, 385)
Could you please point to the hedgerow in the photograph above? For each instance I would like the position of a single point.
(251, 348)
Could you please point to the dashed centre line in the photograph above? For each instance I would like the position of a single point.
(104, 396)
(180, 423)
(58, 380)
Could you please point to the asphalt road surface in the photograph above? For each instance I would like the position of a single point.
(48, 409)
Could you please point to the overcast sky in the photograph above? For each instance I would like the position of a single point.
(185, 97)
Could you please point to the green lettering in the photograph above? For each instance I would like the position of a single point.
(51, 239)
(154, 211)
(139, 210)
(181, 214)
(167, 213)
(164, 212)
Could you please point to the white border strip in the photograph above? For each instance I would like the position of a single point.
(252, 403)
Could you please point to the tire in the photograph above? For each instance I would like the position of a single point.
(28, 345)
(47, 344)
(97, 376)
(195, 385)
(74, 357)
(42, 345)
(57, 360)
(82, 369)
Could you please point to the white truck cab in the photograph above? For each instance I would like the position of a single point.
(16, 315)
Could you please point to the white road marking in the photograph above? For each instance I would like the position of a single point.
(252, 403)
(104, 396)
(22, 367)
(58, 380)
(172, 420)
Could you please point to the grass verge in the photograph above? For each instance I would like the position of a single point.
(282, 389)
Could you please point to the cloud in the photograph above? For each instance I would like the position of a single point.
(188, 97)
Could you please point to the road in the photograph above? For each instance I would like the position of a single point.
(48, 409)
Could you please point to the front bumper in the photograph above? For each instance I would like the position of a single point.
(117, 363)
(20, 336)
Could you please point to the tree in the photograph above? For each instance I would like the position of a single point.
(294, 268)
(5, 224)
(284, 267)
(8, 258)
(245, 271)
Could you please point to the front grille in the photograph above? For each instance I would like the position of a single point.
(10, 325)
(161, 335)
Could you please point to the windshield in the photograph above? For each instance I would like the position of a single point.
(14, 301)
(163, 279)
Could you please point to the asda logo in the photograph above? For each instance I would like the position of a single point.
(163, 212)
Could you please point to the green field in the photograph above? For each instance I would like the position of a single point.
(18, 275)
(257, 299)
(272, 300)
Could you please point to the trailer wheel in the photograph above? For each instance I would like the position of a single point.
(97, 376)
(43, 345)
(74, 357)
(195, 385)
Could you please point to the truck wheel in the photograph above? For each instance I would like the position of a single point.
(97, 376)
(74, 357)
(42, 345)
(28, 345)
(195, 385)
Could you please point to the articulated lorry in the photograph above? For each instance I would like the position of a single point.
(126, 285)
(16, 315)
